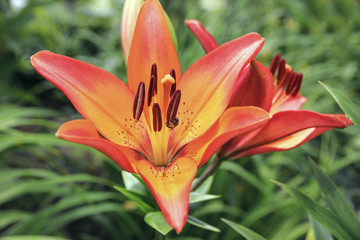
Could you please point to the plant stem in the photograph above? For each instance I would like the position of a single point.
(159, 236)
(207, 173)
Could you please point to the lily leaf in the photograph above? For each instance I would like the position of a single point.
(201, 224)
(349, 108)
(328, 219)
(205, 186)
(198, 197)
(157, 221)
(336, 201)
(133, 183)
(137, 198)
(243, 231)
(317, 231)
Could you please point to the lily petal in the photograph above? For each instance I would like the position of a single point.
(84, 132)
(255, 87)
(171, 188)
(292, 103)
(96, 94)
(206, 87)
(206, 40)
(128, 20)
(283, 124)
(235, 121)
(152, 43)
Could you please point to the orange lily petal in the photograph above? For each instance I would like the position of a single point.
(235, 121)
(97, 95)
(292, 103)
(206, 40)
(130, 13)
(151, 44)
(255, 87)
(171, 188)
(283, 124)
(84, 132)
(206, 87)
(286, 143)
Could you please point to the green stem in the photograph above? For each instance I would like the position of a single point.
(159, 236)
(207, 173)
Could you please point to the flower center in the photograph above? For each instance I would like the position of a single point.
(162, 104)
(287, 83)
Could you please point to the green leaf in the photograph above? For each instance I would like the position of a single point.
(328, 219)
(243, 231)
(349, 108)
(337, 202)
(157, 221)
(318, 232)
(198, 197)
(205, 186)
(132, 183)
(201, 224)
(137, 198)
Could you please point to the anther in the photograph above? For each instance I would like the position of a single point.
(139, 101)
(291, 83)
(297, 87)
(151, 92)
(274, 63)
(154, 73)
(173, 87)
(157, 121)
(173, 106)
(281, 71)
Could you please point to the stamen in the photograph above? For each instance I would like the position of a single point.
(274, 63)
(173, 106)
(173, 87)
(298, 85)
(154, 73)
(291, 83)
(281, 70)
(157, 121)
(151, 90)
(139, 101)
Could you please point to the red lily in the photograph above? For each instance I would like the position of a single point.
(145, 124)
(289, 126)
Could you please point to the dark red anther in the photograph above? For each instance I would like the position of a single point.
(157, 121)
(281, 71)
(291, 83)
(173, 74)
(173, 87)
(274, 63)
(139, 101)
(173, 106)
(151, 90)
(296, 89)
(154, 73)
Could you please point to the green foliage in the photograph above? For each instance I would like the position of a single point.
(349, 108)
(247, 233)
(339, 219)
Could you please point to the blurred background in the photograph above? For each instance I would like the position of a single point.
(53, 188)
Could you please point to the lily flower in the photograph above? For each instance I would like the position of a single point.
(289, 126)
(143, 126)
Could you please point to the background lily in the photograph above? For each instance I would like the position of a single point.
(145, 124)
(289, 126)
